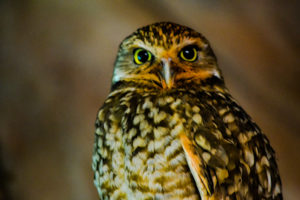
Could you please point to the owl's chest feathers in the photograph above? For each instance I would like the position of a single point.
(143, 134)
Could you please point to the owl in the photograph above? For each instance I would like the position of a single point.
(170, 129)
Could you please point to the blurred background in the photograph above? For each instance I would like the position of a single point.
(56, 62)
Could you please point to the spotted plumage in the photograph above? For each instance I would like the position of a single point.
(169, 129)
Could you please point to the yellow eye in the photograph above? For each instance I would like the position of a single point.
(189, 54)
(140, 56)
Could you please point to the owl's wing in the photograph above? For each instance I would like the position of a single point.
(197, 166)
(208, 161)
(107, 126)
(229, 156)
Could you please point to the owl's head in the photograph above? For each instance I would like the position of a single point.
(166, 56)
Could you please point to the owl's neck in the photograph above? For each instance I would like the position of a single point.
(210, 85)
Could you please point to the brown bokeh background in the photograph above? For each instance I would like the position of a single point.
(56, 60)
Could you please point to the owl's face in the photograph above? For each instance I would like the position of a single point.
(165, 56)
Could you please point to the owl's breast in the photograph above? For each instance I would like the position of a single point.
(155, 163)
(143, 155)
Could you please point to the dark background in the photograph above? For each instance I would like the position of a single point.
(56, 60)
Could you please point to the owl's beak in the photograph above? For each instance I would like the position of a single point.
(167, 73)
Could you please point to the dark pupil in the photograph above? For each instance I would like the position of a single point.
(143, 56)
(188, 53)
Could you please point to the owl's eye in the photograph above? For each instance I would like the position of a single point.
(140, 56)
(189, 53)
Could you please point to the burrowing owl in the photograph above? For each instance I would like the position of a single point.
(169, 128)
